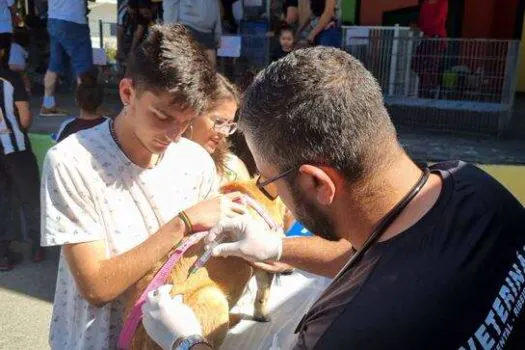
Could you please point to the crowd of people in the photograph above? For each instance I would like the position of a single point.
(420, 257)
(206, 20)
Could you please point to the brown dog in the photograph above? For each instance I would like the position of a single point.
(213, 290)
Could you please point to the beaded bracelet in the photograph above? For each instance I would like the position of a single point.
(186, 220)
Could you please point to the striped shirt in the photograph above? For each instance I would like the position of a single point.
(12, 137)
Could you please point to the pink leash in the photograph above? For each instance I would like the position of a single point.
(134, 318)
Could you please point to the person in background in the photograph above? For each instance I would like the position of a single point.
(428, 61)
(212, 130)
(286, 42)
(323, 24)
(433, 18)
(89, 96)
(123, 24)
(69, 40)
(203, 19)
(290, 12)
(7, 14)
(18, 168)
(140, 14)
(229, 20)
(18, 55)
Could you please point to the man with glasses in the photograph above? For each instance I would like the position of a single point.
(438, 258)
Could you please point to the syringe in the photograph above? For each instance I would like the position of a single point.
(203, 259)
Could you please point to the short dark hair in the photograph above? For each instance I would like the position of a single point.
(89, 95)
(317, 105)
(285, 27)
(169, 60)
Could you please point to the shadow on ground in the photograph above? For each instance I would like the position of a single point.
(34, 280)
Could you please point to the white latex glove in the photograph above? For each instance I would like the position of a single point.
(166, 318)
(249, 239)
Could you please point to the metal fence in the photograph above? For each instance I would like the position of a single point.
(459, 85)
(464, 85)
(103, 34)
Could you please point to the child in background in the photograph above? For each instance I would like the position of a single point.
(89, 96)
(18, 55)
(286, 41)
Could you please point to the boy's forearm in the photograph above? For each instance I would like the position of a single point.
(110, 278)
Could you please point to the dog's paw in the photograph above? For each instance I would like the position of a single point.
(262, 318)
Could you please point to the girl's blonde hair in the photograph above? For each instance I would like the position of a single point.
(226, 91)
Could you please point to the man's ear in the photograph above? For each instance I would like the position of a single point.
(319, 183)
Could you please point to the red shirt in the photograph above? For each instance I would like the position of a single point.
(433, 18)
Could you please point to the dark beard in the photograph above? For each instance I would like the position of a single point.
(313, 219)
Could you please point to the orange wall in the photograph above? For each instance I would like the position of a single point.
(493, 19)
(478, 18)
(372, 10)
(482, 18)
(504, 19)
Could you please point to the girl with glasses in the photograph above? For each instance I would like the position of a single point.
(213, 129)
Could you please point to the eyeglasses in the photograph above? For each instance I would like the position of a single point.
(267, 186)
(228, 128)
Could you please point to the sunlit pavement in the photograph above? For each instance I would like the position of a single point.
(26, 296)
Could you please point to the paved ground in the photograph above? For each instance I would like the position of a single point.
(26, 296)
(26, 293)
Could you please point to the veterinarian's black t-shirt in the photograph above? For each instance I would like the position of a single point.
(455, 280)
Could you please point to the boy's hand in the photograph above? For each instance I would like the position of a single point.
(205, 215)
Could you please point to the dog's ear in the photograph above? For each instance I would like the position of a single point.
(275, 208)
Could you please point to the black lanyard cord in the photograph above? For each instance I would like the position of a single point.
(385, 222)
(380, 228)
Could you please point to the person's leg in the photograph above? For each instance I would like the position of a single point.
(5, 224)
(228, 16)
(25, 176)
(207, 42)
(138, 36)
(56, 65)
(50, 80)
(8, 260)
(5, 48)
(142, 20)
(77, 44)
(170, 11)
(122, 19)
